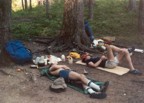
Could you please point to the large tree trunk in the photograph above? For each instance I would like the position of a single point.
(90, 9)
(132, 5)
(73, 32)
(141, 17)
(5, 17)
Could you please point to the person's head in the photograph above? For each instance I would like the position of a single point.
(85, 56)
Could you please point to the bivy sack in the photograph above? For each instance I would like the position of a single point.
(18, 52)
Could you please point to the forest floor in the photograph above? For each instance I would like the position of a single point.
(27, 86)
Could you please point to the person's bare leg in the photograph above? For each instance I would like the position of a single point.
(83, 79)
(77, 76)
(121, 53)
(128, 58)
(110, 54)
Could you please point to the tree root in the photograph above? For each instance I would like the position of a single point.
(57, 44)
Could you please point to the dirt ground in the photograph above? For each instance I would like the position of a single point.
(27, 86)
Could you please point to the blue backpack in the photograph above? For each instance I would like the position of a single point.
(18, 52)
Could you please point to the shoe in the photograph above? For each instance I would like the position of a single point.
(136, 72)
(98, 95)
(131, 50)
(104, 87)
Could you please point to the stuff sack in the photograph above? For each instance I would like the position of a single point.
(18, 52)
(74, 55)
(58, 85)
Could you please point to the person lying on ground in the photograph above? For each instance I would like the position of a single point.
(93, 89)
(110, 61)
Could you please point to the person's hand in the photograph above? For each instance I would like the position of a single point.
(103, 57)
(106, 45)
(66, 67)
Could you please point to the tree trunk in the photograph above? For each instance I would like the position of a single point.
(30, 4)
(5, 17)
(132, 5)
(86, 2)
(40, 2)
(47, 8)
(141, 18)
(90, 9)
(26, 5)
(22, 4)
(73, 32)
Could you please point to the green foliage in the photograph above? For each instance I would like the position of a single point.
(111, 18)
(28, 23)
(25, 30)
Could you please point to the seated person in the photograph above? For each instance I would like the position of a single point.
(110, 61)
(64, 71)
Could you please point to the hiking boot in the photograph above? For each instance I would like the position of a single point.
(131, 50)
(98, 95)
(136, 72)
(104, 86)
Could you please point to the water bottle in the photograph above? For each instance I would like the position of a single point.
(63, 57)
(70, 60)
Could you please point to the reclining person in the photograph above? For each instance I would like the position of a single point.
(110, 61)
(64, 71)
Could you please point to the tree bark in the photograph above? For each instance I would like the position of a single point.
(22, 4)
(90, 9)
(30, 4)
(132, 5)
(47, 8)
(26, 4)
(86, 2)
(141, 17)
(40, 2)
(5, 17)
(73, 31)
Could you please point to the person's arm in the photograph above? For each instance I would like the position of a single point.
(97, 63)
(54, 70)
(65, 67)
(61, 66)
